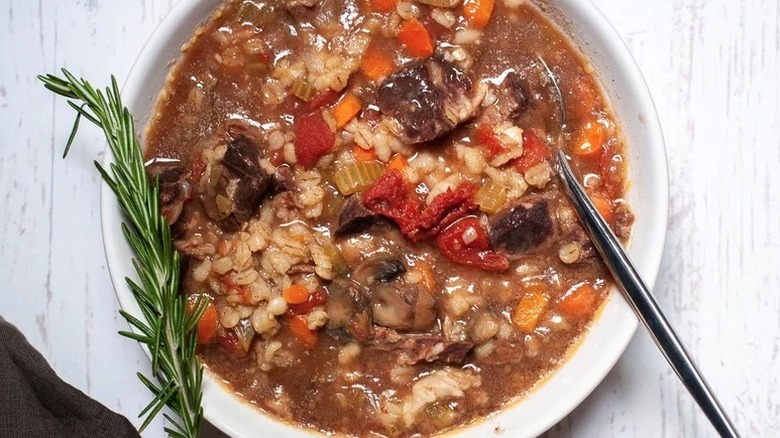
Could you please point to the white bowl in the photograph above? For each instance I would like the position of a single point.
(609, 334)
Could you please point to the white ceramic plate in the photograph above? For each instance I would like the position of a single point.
(609, 334)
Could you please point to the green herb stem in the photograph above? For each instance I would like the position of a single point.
(167, 328)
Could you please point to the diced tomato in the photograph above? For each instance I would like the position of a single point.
(313, 139)
(316, 298)
(322, 99)
(444, 210)
(466, 243)
(486, 137)
(390, 197)
(534, 152)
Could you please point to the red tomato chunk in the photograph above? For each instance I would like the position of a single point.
(466, 242)
(313, 139)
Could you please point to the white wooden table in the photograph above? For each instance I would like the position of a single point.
(713, 68)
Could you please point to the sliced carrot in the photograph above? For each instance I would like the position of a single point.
(316, 298)
(529, 310)
(346, 109)
(398, 162)
(377, 63)
(296, 294)
(207, 324)
(307, 338)
(383, 5)
(579, 301)
(477, 12)
(416, 39)
(591, 141)
(428, 277)
(603, 205)
(362, 155)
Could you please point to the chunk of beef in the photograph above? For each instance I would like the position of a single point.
(513, 99)
(283, 179)
(427, 99)
(175, 187)
(354, 217)
(522, 227)
(413, 349)
(240, 187)
(252, 182)
(194, 236)
(195, 248)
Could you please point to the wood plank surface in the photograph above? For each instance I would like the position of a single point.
(713, 69)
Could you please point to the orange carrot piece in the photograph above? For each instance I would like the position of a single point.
(529, 310)
(362, 155)
(207, 324)
(603, 205)
(377, 63)
(477, 12)
(579, 301)
(307, 338)
(383, 5)
(346, 109)
(398, 162)
(428, 277)
(416, 39)
(296, 294)
(591, 141)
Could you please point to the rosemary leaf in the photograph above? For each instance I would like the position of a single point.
(167, 328)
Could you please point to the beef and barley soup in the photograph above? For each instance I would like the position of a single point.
(366, 193)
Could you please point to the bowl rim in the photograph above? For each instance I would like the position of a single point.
(116, 249)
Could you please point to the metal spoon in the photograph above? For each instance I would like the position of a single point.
(641, 300)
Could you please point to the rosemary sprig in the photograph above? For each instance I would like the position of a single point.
(167, 327)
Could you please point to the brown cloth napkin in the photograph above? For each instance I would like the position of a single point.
(34, 402)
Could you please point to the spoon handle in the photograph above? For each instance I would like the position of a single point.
(643, 303)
